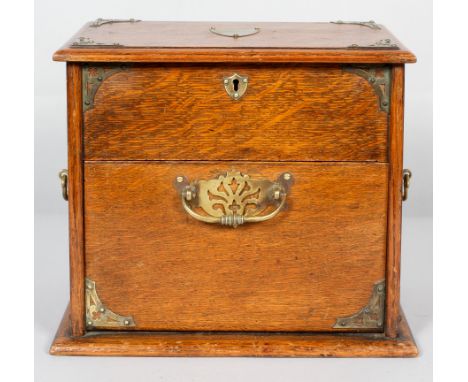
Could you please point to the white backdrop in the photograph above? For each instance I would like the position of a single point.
(57, 20)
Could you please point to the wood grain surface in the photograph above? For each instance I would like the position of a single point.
(75, 198)
(182, 112)
(261, 289)
(208, 55)
(216, 344)
(314, 262)
(395, 201)
(150, 41)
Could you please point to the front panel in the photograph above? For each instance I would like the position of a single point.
(317, 261)
(282, 112)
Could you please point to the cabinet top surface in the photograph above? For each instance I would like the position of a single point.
(155, 41)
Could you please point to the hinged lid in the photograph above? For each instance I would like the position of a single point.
(155, 41)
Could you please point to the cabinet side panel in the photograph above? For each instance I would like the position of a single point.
(75, 198)
(394, 201)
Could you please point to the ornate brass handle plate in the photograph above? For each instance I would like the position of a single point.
(233, 198)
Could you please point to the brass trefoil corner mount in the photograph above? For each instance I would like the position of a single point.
(98, 315)
(369, 317)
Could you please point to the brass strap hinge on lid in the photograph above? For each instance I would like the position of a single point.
(97, 23)
(384, 43)
(83, 42)
(369, 24)
(86, 41)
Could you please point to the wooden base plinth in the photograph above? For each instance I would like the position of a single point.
(229, 344)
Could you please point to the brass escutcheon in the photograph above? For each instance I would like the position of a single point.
(236, 86)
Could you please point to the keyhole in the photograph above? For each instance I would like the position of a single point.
(236, 84)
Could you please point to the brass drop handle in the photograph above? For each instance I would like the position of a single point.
(233, 199)
(63, 175)
(406, 183)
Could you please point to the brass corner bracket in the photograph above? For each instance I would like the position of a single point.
(379, 77)
(384, 43)
(93, 77)
(98, 315)
(369, 317)
(83, 42)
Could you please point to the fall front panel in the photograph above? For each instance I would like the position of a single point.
(200, 112)
(318, 262)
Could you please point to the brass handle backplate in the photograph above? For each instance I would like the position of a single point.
(406, 183)
(233, 198)
(63, 175)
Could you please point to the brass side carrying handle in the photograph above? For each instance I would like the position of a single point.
(233, 198)
(63, 175)
(406, 183)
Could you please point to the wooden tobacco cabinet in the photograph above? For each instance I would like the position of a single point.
(235, 190)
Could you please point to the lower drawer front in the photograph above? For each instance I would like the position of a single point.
(316, 261)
